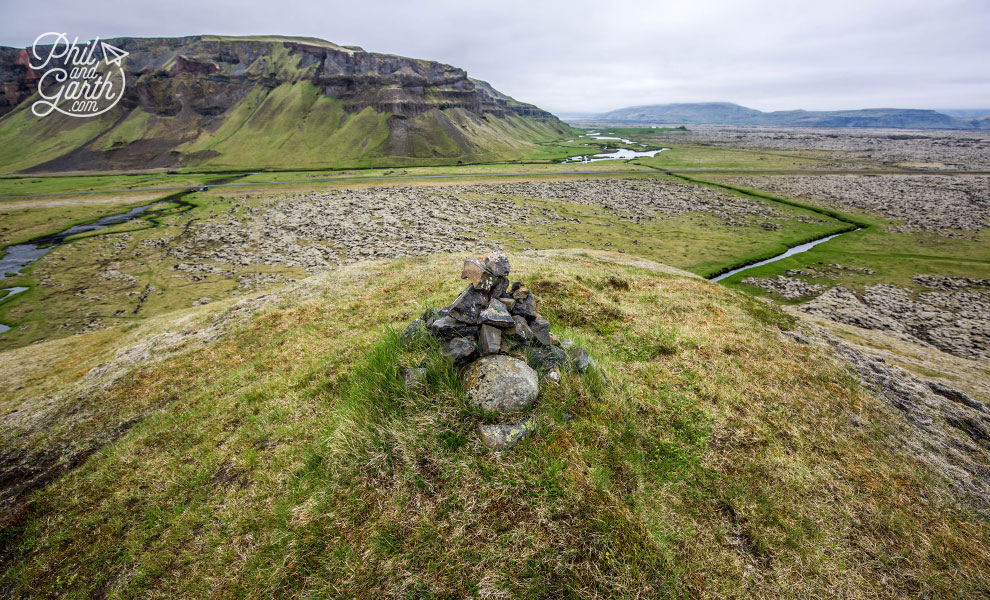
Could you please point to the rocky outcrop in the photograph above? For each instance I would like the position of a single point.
(499, 322)
(214, 72)
(17, 79)
(181, 92)
(946, 428)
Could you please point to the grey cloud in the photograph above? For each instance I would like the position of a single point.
(595, 56)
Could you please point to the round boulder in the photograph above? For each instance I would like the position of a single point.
(501, 383)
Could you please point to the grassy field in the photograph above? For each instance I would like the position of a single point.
(689, 156)
(24, 220)
(696, 242)
(893, 256)
(118, 275)
(75, 184)
(283, 459)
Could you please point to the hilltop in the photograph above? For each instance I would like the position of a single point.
(268, 101)
(264, 447)
(727, 113)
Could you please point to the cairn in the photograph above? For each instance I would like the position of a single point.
(505, 345)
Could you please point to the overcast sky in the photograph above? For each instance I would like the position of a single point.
(596, 56)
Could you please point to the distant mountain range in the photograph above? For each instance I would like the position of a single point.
(726, 113)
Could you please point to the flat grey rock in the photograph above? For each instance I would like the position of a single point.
(506, 435)
(497, 315)
(448, 328)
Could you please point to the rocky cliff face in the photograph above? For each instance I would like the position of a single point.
(186, 90)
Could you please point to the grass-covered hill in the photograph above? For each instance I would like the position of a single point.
(265, 448)
(267, 101)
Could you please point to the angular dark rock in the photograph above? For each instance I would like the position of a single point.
(459, 348)
(521, 331)
(498, 290)
(509, 303)
(498, 263)
(548, 357)
(520, 293)
(497, 315)
(449, 327)
(430, 315)
(525, 307)
(541, 331)
(489, 340)
(468, 306)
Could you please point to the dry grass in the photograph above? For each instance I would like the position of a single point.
(281, 460)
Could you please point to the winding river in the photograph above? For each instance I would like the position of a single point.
(20, 256)
(790, 252)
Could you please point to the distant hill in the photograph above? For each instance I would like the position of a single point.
(733, 114)
(268, 101)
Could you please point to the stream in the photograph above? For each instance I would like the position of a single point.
(618, 154)
(790, 252)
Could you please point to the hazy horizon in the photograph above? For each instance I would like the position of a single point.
(590, 57)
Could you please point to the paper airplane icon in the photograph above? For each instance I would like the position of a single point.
(112, 54)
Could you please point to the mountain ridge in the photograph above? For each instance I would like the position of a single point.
(207, 101)
(727, 113)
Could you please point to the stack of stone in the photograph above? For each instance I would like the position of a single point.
(496, 323)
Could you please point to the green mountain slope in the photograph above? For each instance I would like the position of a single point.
(266, 102)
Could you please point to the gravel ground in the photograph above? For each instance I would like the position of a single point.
(316, 231)
(921, 202)
(957, 150)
